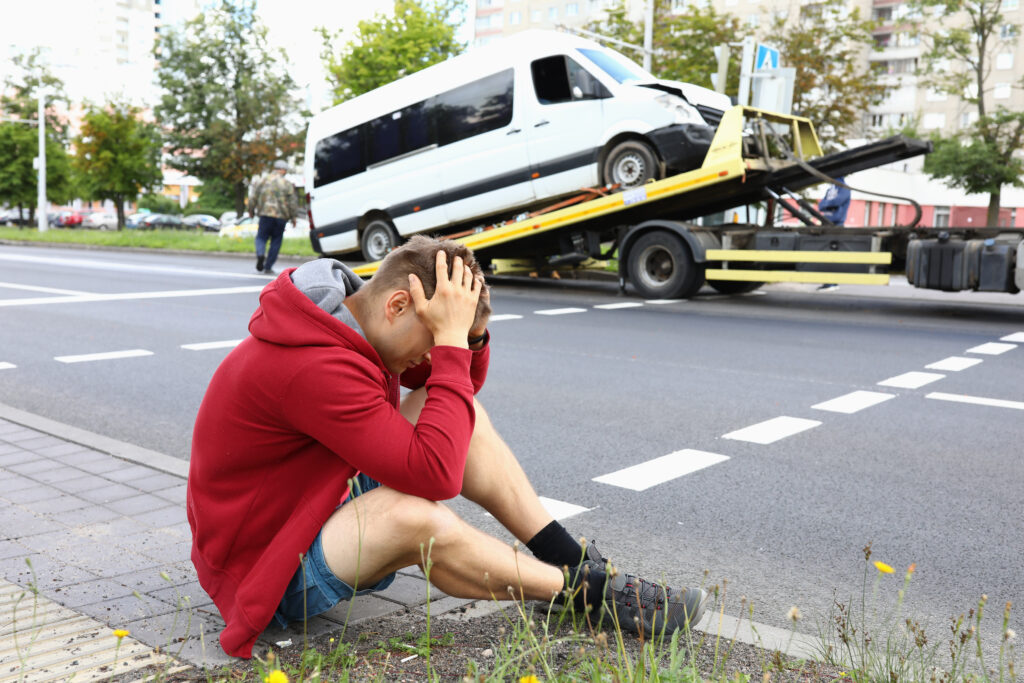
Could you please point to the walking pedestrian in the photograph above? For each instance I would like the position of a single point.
(272, 198)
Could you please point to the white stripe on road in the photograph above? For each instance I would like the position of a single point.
(992, 348)
(505, 316)
(34, 288)
(7, 366)
(1015, 337)
(561, 510)
(658, 302)
(911, 380)
(129, 296)
(666, 468)
(97, 264)
(954, 364)
(853, 402)
(203, 346)
(109, 355)
(560, 311)
(977, 400)
(624, 304)
(772, 430)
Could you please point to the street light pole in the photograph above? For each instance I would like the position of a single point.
(648, 34)
(41, 221)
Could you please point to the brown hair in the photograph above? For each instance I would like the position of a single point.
(418, 257)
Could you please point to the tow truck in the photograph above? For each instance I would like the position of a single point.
(755, 157)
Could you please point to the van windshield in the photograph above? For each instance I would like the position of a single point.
(615, 65)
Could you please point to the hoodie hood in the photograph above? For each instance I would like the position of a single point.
(304, 306)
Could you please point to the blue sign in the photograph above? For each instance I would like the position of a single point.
(767, 58)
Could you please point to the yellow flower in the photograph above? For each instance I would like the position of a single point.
(276, 676)
(121, 633)
(528, 679)
(794, 613)
(883, 567)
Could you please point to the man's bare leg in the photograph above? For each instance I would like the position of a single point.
(382, 531)
(493, 478)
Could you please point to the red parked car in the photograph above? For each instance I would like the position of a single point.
(70, 219)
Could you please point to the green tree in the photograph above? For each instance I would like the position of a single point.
(826, 42)
(20, 96)
(228, 109)
(117, 154)
(961, 40)
(683, 42)
(390, 46)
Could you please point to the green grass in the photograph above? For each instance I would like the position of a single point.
(186, 240)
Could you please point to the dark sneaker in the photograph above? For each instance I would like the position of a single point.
(259, 263)
(269, 271)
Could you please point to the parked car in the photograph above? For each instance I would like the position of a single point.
(100, 221)
(228, 217)
(13, 217)
(70, 219)
(202, 220)
(161, 220)
(134, 221)
(243, 227)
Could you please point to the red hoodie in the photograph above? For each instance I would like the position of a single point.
(292, 413)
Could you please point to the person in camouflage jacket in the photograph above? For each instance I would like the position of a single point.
(272, 198)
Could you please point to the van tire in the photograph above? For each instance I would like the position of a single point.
(378, 239)
(630, 164)
(662, 267)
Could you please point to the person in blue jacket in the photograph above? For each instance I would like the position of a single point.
(835, 203)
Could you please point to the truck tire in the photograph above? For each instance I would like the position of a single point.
(734, 286)
(630, 164)
(378, 239)
(662, 267)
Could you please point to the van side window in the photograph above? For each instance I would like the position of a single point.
(561, 79)
(339, 156)
(472, 109)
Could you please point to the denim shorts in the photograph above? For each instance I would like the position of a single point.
(323, 590)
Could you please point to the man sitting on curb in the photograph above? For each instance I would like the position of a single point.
(310, 402)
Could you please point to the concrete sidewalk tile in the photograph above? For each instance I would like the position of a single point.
(315, 626)
(21, 434)
(102, 466)
(134, 505)
(111, 530)
(111, 565)
(40, 441)
(61, 503)
(148, 538)
(205, 654)
(59, 449)
(86, 482)
(176, 595)
(88, 592)
(12, 549)
(181, 528)
(167, 516)
(108, 493)
(167, 632)
(128, 471)
(27, 496)
(51, 540)
(45, 571)
(19, 523)
(85, 515)
(176, 495)
(171, 552)
(7, 448)
(39, 464)
(443, 606)
(16, 456)
(12, 481)
(118, 611)
(62, 473)
(361, 608)
(155, 482)
(82, 457)
(148, 580)
(408, 591)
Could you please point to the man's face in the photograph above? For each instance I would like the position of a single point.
(406, 342)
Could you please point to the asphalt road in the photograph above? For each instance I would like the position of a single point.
(585, 383)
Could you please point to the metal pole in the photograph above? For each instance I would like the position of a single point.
(648, 34)
(41, 221)
(745, 71)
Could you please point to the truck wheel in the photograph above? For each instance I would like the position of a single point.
(630, 164)
(661, 267)
(734, 286)
(378, 239)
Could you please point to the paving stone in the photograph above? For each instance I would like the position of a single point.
(59, 449)
(40, 441)
(22, 434)
(134, 505)
(108, 565)
(19, 523)
(173, 552)
(176, 494)
(110, 531)
(45, 571)
(63, 472)
(205, 654)
(149, 538)
(26, 496)
(181, 528)
(87, 482)
(149, 580)
(16, 456)
(408, 591)
(126, 471)
(12, 481)
(314, 626)
(103, 465)
(85, 515)
(60, 503)
(362, 607)
(53, 540)
(118, 611)
(167, 516)
(108, 493)
(82, 457)
(10, 549)
(88, 592)
(176, 595)
(443, 606)
(195, 641)
(38, 464)
(158, 481)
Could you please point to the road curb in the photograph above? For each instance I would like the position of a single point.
(289, 258)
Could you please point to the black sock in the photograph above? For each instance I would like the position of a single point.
(554, 545)
(586, 583)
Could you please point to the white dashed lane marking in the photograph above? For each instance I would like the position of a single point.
(624, 304)
(560, 311)
(772, 430)
(666, 468)
(911, 380)
(203, 346)
(954, 364)
(7, 366)
(992, 348)
(109, 355)
(853, 402)
(505, 316)
(558, 509)
(977, 400)
(127, 296)
(45, 290)
(661, 302)
(1015, 337)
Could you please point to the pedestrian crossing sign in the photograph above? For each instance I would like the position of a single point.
(767, 58)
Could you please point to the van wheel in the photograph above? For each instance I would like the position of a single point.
(734, 286)
(630, 164)
(661, 267)
(379, 238)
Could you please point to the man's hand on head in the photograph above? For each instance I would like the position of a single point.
(449, 313)
(480, 328)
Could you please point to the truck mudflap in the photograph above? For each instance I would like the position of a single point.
(952, 265)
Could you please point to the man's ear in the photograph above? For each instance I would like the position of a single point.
(398, 303)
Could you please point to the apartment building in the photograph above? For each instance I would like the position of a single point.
(495, 18)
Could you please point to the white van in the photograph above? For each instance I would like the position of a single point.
(504, 127)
